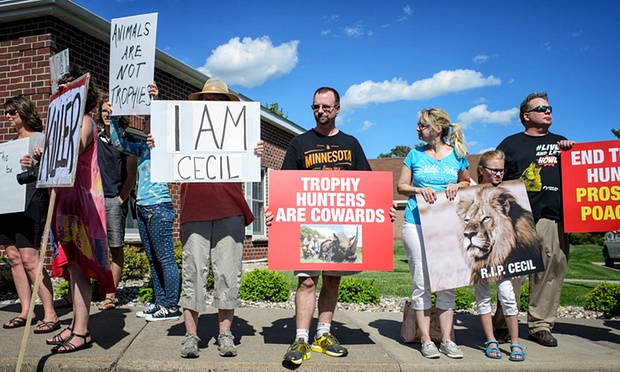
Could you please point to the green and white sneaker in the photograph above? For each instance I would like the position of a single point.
(298, 352)
(328, 344)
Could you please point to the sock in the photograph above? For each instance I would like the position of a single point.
(322, 328)
(303, 334)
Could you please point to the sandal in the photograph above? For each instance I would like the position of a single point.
(492, 352)
(107, 304)
(69, 347)
(47, 327)
(16, 322)
(57, 339)
(516, 353)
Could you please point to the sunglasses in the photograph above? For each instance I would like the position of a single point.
(11, 112)
(541, 109)
(326, 108)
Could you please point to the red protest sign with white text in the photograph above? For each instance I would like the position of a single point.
(330, 220)
(591, 187)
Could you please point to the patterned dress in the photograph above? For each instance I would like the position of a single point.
(78, 223)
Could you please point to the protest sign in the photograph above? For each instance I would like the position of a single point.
(62, 135)
(346, 214)
(205, 141)
(132, 63)
(591, 187)
(12, 194)
(486, 234)
(59, 66)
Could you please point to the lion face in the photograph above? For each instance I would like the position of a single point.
(485, 225)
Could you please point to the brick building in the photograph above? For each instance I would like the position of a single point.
(31, 31)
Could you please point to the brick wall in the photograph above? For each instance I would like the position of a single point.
(27, 45)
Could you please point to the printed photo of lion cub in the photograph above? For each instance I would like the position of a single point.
(497, 235)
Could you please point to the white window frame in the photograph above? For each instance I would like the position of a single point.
(257, 229)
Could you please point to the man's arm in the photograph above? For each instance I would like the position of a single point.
(131, 167)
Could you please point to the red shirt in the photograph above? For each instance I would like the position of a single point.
(213, 201)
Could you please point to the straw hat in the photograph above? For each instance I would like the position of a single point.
(213, 86)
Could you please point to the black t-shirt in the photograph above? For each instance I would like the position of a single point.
(112, 164)
(312, 150)
(536, 160)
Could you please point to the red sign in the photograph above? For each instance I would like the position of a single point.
(591, 187)
(330, 220)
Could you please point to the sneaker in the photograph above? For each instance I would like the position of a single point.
(226, 344)
(189, 346)
(164, 314)
(150, 309)
(298, 352)
(451, 349)
(328, 344)
(429, 350)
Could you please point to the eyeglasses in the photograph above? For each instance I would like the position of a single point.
(422, 126)
(541, 109)
(11, 112)
(495, 170)
(326, 108)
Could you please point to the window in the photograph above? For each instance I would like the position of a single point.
(255, 196)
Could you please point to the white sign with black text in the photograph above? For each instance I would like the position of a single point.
(205, 141)
(12, 194)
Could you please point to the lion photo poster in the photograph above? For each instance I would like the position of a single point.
(486, 233)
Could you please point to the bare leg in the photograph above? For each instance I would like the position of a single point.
(20, 278)
(30, 260)
(116, 265)
(305, 301)
(82, 293)
(446, 319)
(225, 318)
(423, 319)
(190, 318)
(328, 298)
(487, 327)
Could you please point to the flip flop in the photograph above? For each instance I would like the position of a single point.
(47, 327)
(16, 322)
(107, 304)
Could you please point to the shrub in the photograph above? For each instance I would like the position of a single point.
(355, 290)
(604, 297)
(265, 285)
(524, 301)
(146, 293)
(463, 299)
(6, 276)
(62, 289)
(136, 265)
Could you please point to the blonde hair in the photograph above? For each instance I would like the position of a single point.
(451, 133)
(486, 157)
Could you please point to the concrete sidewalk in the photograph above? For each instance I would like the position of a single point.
(123, 342)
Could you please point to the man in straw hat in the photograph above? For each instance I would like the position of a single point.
(213, 218)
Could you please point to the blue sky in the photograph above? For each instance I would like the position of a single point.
(475, 59)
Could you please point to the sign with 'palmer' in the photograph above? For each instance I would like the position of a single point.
(205, 141)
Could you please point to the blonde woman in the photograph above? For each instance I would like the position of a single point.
(441, 164)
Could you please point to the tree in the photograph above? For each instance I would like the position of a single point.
(616, 132)
(400, 151)
(275, 108)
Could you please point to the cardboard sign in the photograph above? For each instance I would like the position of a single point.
(62, 135)
(205, 141)
(486, 234)
(59, 66)
(132, 63)
(591, 187)
(346, 211)
(12, 194)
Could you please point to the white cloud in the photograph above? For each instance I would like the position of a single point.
(366, 125)
(326, 32)
(443, 82)
(355, 31)
(481, 114)
(577, 33)
(251, 62)
(407, 10)
(481, 58)
(480, 100)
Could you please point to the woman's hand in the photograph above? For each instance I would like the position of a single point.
(428, 194)
(27, 161)
(451, 190)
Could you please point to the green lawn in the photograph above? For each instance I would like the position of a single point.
(580, 266)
